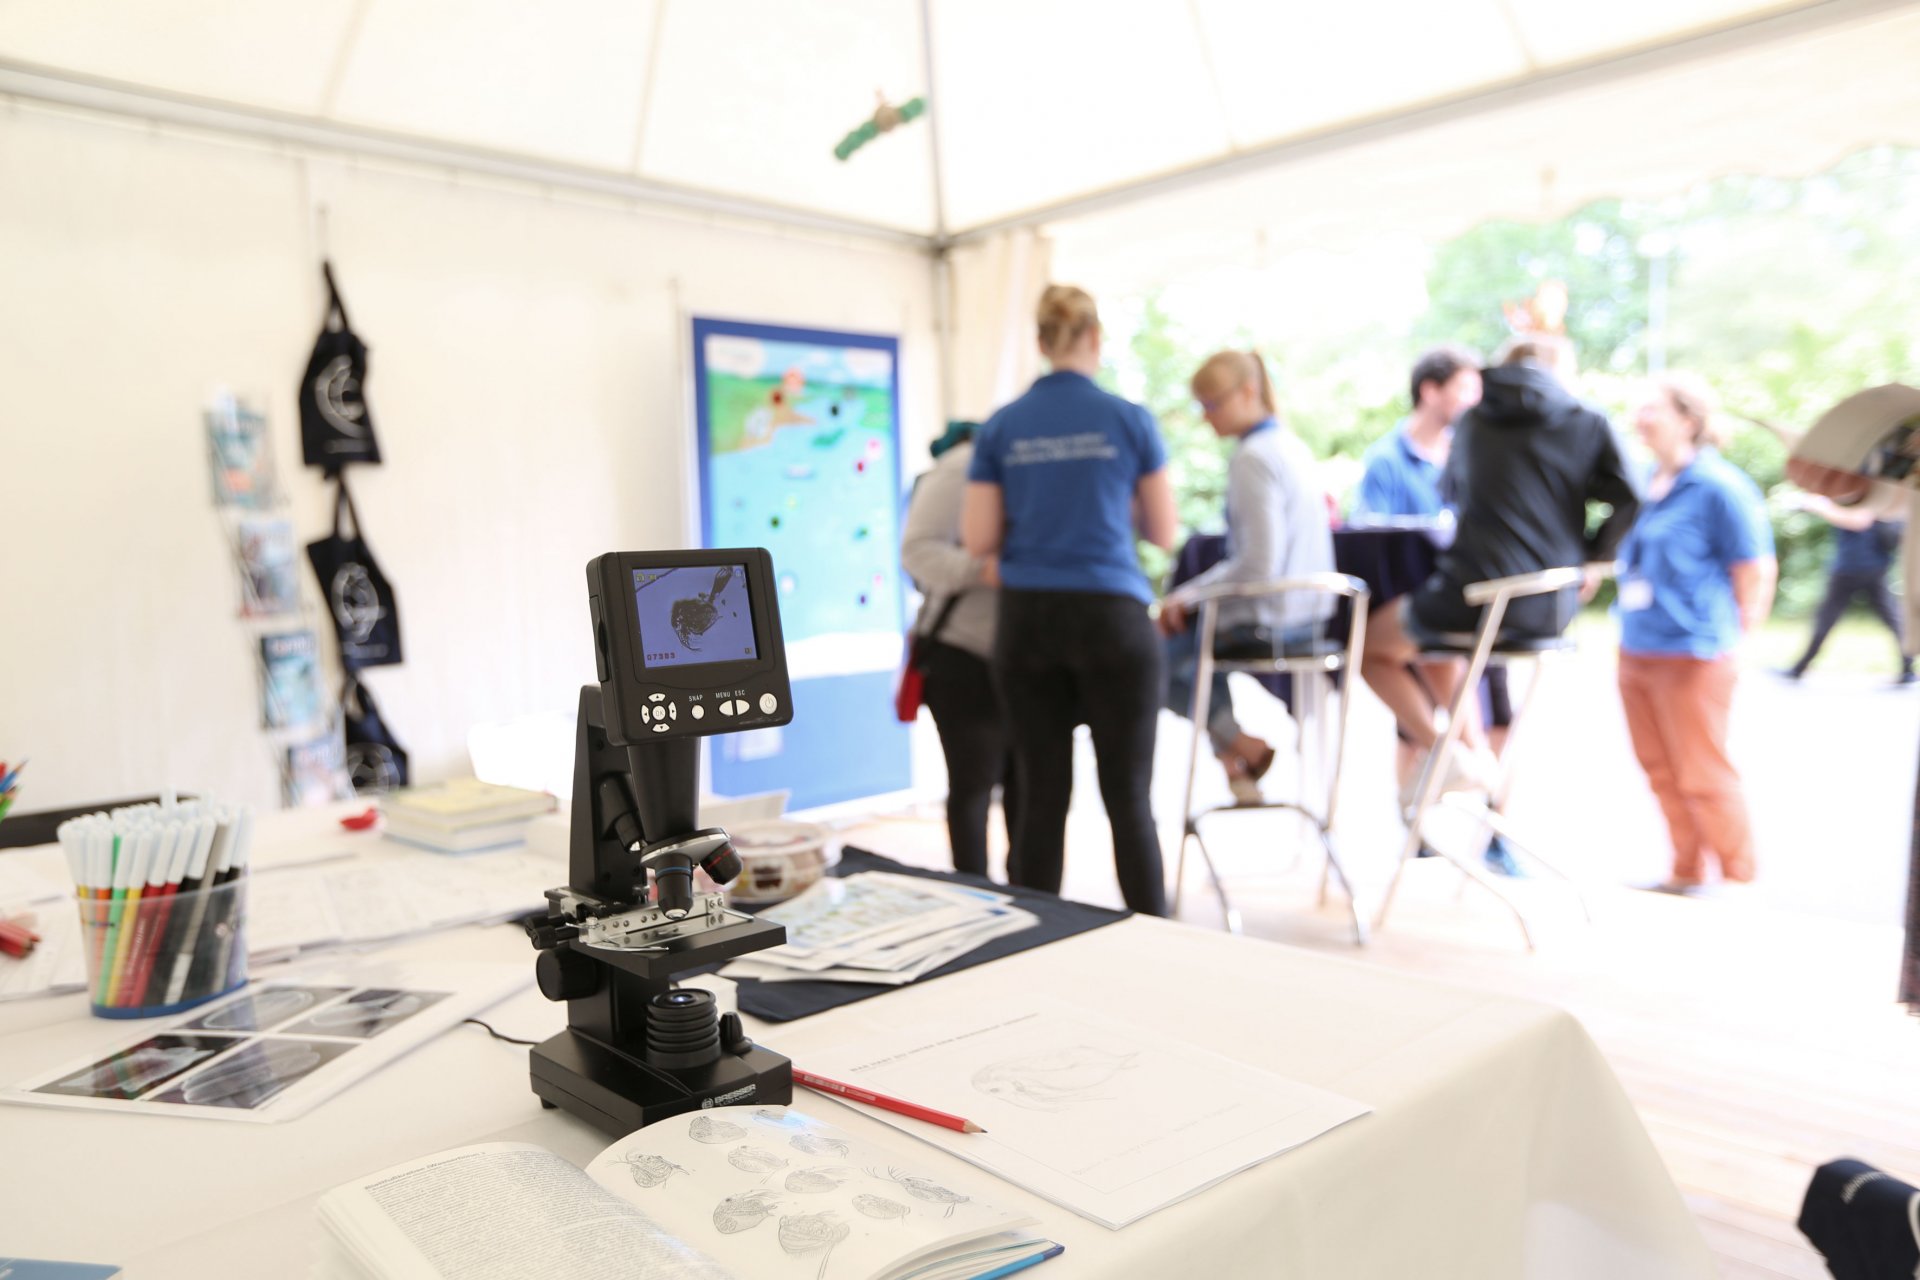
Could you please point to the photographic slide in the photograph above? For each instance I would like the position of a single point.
(255, 1075)
(131, 1072)
(365, 1014)
(264, 1009)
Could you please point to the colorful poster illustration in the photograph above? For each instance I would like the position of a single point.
(800, 453)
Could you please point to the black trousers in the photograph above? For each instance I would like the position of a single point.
(1841, 589)
(1065, 658)
(979, 750)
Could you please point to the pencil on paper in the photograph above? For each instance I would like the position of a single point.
(854, 1093)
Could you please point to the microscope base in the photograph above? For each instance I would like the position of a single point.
(618, 1093)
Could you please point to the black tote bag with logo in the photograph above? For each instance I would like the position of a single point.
(336, 424)
(358, 595)
(376, 762)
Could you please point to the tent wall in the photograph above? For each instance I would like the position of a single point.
(528, 384)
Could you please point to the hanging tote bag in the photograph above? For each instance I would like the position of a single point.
(336, 425)
(358, 595)
(913, 671)
(376, 762)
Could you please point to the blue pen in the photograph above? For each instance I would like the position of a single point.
(7, 780)
(1023, 1264)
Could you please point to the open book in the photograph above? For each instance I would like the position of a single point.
(741, 1192)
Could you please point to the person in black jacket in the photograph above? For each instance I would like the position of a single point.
(1525, 463)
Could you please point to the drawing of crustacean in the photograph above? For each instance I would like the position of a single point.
(743, 1211)
(754, 1160)
(808, 1233)
(650, 1171)
(815, 1145)
(922, 1189)
(814, 1181)
(880, 1207)
(1057, 1081)
(707, 1129)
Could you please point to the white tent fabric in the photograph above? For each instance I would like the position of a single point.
(1033, 102)
(1785, 108)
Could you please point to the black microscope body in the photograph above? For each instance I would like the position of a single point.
(687, 645)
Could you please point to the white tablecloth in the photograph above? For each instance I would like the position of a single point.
(1500, 1145)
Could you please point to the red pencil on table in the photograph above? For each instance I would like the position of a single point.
(16, 939)
(820, 1084)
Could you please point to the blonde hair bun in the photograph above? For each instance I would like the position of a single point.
(1066, 314)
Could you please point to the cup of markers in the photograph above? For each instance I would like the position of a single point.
(9, 785)
(162, 896)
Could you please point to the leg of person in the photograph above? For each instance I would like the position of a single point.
(1643, 694)
(1839, 594)
(1041, 713)
(1887, 609)
(959, 692)
(1698, 704)
(1383, 665)
(1910, 957)
(1118, 676)
(1182, 662)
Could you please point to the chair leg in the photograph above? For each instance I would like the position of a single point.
(1497, 823)
(1180, 870)
(1334, 866)
(1227, 909)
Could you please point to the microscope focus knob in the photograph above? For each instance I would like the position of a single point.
(565, 974)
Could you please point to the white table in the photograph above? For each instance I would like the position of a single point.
(1501, 1144)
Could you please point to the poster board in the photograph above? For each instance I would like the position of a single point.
(799, 445)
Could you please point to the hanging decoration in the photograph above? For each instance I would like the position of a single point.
(885, 119)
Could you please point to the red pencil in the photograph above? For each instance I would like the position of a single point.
(16, 939)
(820, 1084)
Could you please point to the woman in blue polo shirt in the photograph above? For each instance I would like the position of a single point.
(1061, 480)
(1697, 571)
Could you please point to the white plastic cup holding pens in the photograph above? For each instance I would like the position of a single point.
(162, 894)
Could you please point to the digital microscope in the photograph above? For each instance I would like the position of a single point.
(687, 645)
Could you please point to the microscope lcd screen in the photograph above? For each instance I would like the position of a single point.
(695, 614)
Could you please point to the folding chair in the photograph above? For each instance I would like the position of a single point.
(1483, 647)
(1311, 667)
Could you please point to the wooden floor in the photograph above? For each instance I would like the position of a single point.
(1756, 1042)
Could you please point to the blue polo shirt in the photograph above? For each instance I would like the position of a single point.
(1067, 457)
(1676, 588)
(1398, 480)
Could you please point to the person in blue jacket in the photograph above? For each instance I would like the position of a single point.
(1696, 572)
(1062, 482)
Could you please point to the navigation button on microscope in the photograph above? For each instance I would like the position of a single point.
(673, 711)
(656, 697)
(660, 727)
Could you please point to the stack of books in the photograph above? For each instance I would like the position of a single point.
(463, 816)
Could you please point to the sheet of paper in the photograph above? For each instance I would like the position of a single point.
(56, 965)
(1111, 1121)
(277, 1047)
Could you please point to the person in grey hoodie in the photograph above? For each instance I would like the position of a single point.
(955, 626)
(1525, 463)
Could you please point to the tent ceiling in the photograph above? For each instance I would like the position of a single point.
(1783, 107)
(1034, 102)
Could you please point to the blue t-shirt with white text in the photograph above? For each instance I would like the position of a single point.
(1067, 457)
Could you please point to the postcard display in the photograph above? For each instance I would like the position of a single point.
(301, 727)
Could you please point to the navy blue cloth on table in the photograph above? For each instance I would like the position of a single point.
(1862, 1221)
(1059, 918)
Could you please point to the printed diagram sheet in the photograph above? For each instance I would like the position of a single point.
(1102, 1118)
